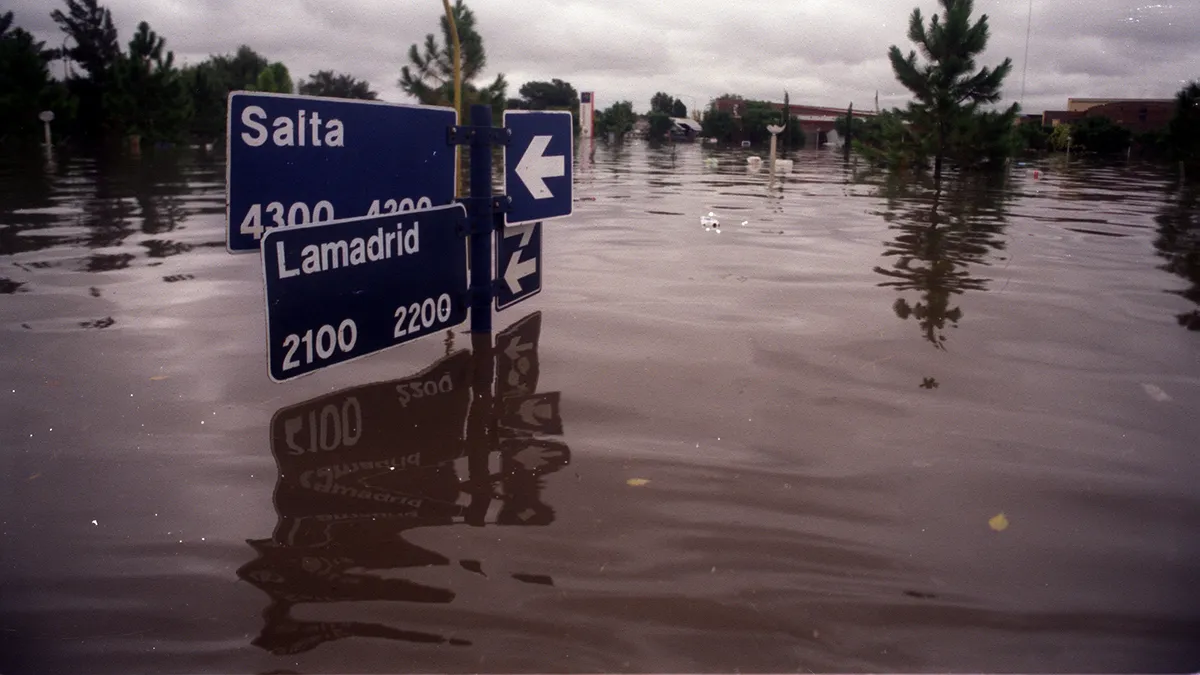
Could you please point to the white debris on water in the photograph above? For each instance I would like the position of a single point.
(1156, 393)
(95, 523)
(710, 220)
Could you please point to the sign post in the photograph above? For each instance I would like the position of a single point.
(363, 248)
(482, 223)
(47, 116)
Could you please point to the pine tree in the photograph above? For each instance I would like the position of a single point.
(946, 87)
(429, 77)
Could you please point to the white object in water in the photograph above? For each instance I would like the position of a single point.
(1155, 392)
(710, 220)
(711, 162)
(745, 223)
(754, 159)
(783, 166)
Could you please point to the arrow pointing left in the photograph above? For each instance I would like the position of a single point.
(518, 269)
(535, 166)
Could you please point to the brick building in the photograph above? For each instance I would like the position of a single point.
(815, 121)
(1139, 115)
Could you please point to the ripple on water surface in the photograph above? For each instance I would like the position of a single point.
(856, 424)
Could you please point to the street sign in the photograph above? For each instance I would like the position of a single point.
(338, 292)
(519, 263)
(293, 160)
(537, 165)
(517, 357)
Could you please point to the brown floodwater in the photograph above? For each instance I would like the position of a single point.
(845, 432)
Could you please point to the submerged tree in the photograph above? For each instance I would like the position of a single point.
(617, 118)
(429, 77)
(91, 28)
(339, 85)
(947, 88)
(553, 95)
(275, 78)
(147, 95)
(26, 87)
(1184, 132)
(96, 51)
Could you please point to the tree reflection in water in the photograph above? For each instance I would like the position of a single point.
(940, 233)
(1178, 241)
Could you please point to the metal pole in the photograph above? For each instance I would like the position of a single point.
(480, 429)
(458, 113)
(481, 220)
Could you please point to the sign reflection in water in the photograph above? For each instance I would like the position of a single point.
(359, 467)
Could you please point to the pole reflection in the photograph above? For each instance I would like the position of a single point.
(360, 467)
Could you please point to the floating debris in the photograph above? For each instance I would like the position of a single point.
(637, 482)
(998, 522)
(710, 220)
(1156, 393)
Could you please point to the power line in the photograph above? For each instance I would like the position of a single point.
(1025, 65)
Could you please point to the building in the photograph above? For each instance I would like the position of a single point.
(1139, 115)
(1053, 118)
(815, 121)
(685, 128)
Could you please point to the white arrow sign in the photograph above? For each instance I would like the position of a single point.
(518, 269)
(536, 166)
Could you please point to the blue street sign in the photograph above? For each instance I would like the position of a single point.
(537, 165)
(293, 160)
(519, 263)
(338, 292)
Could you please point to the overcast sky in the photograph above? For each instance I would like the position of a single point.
(823, 52)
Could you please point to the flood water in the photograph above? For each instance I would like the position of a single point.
(843, 433)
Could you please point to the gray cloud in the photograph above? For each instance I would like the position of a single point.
(822, 52)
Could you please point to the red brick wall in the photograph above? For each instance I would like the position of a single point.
(1138, 116)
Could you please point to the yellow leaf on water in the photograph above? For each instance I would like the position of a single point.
(158, 378)
(636, 482)
(998, 522)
